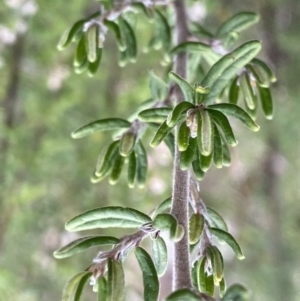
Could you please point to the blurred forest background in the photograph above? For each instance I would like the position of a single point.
(44, 174)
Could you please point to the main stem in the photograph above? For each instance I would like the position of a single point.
(181, 267)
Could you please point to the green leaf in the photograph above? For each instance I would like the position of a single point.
(226, 153)
(102, 289)
(165, 205)
(266, 101)
(201, 274)
(81, 285)
(216, 220)
(222, 287)
(194, 274)
(83, 243)
(69, 35)
(221, 120)
(132, 169)
(161, 133)
(162, 30)
(92, 37)
(160, 255)
(187, 156)
(234, 91)
(229, 239)
(116, 170)
(198, 29)
(204, 284)
(187, 90)
(193, 47)
(142, 164)
(166, 221)
(184, 294)
(114, 27)
(82, 67)
(154, 114)
(115, 280)
(196, 226)
(80, 54)
(236, 292)
(237, 23)
(210, 286)
(130, 39)
(158, 87)
(177, 113)
(259, 75)
(199, 173)
(111, 216)
(71, 286)
(236, 112)
(127, 143)
(205, 161)
(100, 125)
(247, 90)
(205, 133)
(222, 72)
(183, 137)
(150, 279)
(140, 6)
(106, 163)
(93, 67)
(216, 262)
(218, 148)
(261, 67)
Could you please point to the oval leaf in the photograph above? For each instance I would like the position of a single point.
(112, 216)
(100, 125)
(115, 280)
(187, 90)
(196, 227)
(229, 239)
(150, 279)
(83, 243)
(71, 286)
(160, 255)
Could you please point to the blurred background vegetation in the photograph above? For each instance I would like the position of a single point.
(44, 174)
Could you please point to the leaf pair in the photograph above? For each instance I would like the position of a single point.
(206, 124)
(111, 286)
(254, 83)
(115, 157)
(203, 278)
(74, 287)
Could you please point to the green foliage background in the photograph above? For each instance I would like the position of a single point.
(44, 174)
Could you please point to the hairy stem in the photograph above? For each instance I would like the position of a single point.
(181, 267)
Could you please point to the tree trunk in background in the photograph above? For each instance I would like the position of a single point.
(10, 103)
